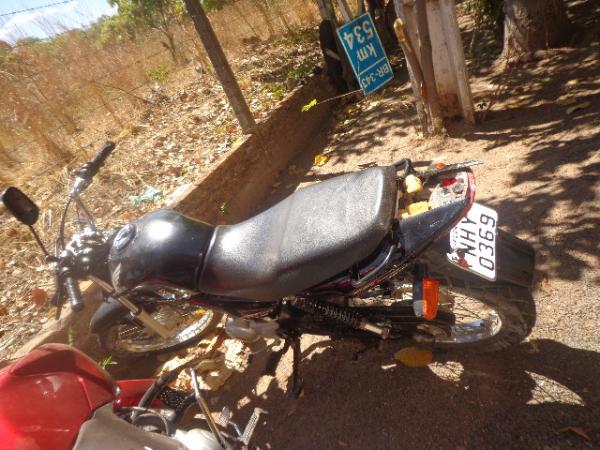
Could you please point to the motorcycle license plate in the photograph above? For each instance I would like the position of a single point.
(473, 242)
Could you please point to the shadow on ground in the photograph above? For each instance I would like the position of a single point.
(486, 401)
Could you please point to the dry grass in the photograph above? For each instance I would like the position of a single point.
(57, 96)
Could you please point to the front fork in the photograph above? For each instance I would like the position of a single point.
(136, 311)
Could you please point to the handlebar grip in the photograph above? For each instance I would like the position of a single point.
(99, 159)
(73, 293)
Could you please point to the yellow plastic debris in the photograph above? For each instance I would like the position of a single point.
(321, 160)
(403, 214)
(413, 184)
(414, 357)
(418, 208)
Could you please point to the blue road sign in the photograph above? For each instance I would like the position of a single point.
(363, 47)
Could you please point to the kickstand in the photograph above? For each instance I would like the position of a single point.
(295, 387)
(275, 358)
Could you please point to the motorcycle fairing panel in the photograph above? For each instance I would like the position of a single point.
(48, 395)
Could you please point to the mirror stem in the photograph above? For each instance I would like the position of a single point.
(39, 241)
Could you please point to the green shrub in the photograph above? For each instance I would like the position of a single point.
(159, 73)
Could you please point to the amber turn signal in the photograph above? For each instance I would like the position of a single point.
(431, 297)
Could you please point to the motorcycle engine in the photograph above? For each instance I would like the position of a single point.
(250, 330)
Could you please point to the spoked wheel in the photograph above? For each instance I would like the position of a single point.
(188, 322)
(486, 317)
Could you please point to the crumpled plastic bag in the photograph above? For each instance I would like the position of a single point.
(151, 194)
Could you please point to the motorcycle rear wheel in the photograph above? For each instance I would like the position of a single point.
(488, 318)
(506, 312)
(127, 339)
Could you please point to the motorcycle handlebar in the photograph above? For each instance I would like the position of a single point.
(98, 161)
(103, 154)
(84, 175)
(73, 293)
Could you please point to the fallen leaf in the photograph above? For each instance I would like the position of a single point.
(231, 128)
(2, 264)
(565, 101)
(39, 296)
(572, 82)
(311, 104)
(321, 160)
(578, 431)
(414, 357)
(3, 310)
(579, 106)
(342, 443)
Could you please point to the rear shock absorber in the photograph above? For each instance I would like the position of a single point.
(340, 314)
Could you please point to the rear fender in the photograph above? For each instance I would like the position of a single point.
(515, 260)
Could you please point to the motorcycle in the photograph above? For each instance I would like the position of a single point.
(387, 253)
(57, 398)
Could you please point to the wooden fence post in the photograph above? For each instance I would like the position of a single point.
(432, 28)
(407, 25)
(222, 67)
(431, 97)
(345, 9)
(456, 55)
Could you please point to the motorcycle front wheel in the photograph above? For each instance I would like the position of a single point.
(126, 338)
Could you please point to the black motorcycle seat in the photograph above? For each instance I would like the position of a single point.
(315, 233)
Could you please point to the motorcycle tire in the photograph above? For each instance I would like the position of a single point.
(511, 311)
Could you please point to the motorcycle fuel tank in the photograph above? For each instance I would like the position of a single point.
(46, 396)
(162, 248)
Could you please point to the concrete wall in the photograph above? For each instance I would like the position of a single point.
(241, 179)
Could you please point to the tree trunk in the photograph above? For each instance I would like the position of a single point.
(531, 25)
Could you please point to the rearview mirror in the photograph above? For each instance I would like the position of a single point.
(20, 206)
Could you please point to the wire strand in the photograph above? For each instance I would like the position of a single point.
(35, 8)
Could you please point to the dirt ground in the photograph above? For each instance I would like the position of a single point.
(541, 173)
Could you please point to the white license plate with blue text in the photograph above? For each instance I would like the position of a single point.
(473, 242)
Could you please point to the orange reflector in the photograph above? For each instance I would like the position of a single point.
(431, 297)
